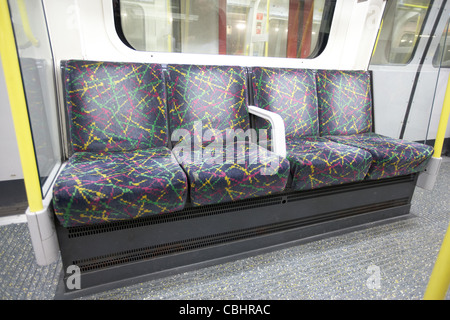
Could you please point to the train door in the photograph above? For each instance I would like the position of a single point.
(409, 83)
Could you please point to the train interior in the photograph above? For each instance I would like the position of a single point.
(371, 76)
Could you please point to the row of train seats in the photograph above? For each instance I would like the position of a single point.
(148, 139)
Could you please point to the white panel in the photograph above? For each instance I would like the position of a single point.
(43, 234)
(85, 29)
(438, 103)
(390, 105)
(362, 31)
(392, 85)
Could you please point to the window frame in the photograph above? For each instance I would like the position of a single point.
(416, 44)
(322, 41)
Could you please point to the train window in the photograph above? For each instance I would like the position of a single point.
(442, 58)
(134, 25)
(264, 28)
(401, 28)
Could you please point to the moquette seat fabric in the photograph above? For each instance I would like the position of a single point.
(345, 113)
(208, 107)
(315, 161)
(121, 167)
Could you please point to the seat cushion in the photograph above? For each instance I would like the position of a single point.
(244, 171)
(318, 162)
(391, 157)
(291, 93)
(115, 106)
(96, 188)
(345, 102)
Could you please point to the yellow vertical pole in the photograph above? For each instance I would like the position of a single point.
(440, 277)
(19, 110)
(25, 22)
(266, 47)
(169, 22)
(378, 38)
(443, 122)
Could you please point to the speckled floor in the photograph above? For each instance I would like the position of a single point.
(399, 256)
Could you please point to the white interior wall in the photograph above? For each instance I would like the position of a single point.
(77, 32)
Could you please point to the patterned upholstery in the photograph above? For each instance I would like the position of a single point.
(317, 162)
(96, 188)
(391, 157)
(214, 95)
(119, 126)
(245, 171)
(314, 161)
(115, 106)
(121, 168)
(291, 93)
(212, 99)
(345, 102)
(345, 113)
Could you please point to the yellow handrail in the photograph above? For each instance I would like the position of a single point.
(440, 277)
(266, 45)
(19, 110)
(443, 122)
(169, 21)
(26, 23)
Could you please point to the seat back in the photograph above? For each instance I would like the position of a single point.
(291, 93)
(345, 102)
(207, 98)
(115, 106)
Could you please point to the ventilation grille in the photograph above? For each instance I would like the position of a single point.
(187, 213)
(146, 253)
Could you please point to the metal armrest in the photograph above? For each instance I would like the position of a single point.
(278, 130)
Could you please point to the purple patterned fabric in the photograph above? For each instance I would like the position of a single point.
(291, 93)
(232, 172)
(345, 102)
(213, 99)
(98, 188)
(121, 168)
(391, 157)
(214, 95)
(318, 162)
(115, 106)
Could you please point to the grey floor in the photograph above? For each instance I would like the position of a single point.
(402, 252)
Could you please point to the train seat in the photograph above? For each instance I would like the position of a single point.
(315, 161)
(121, 167)
(208, 109)
(318, 162)
(345, 115)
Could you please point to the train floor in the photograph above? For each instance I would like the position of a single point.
(381, 261)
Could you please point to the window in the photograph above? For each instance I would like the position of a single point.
(401, 29)
(440, 58)
(36, 64)
(262, 28)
